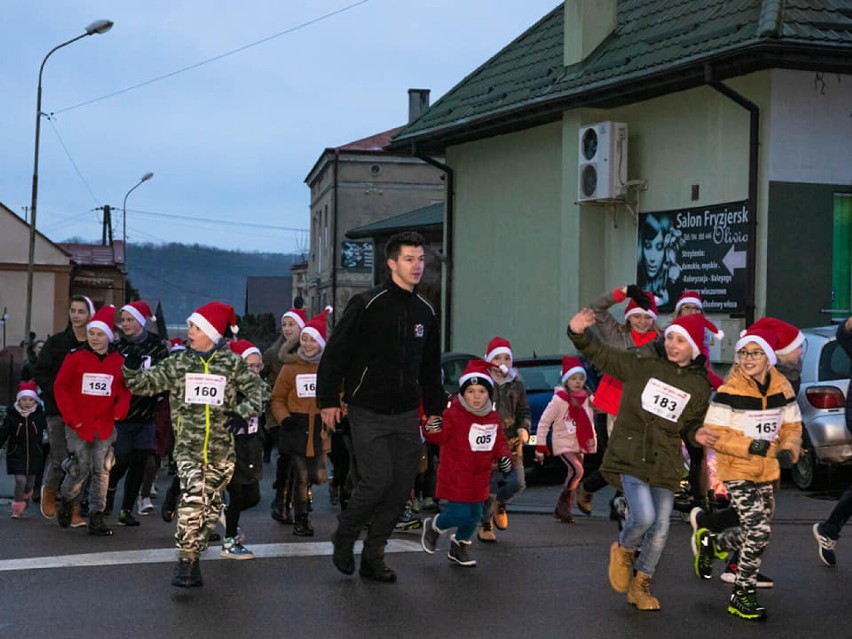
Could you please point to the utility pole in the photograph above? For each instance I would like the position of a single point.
(106, 232)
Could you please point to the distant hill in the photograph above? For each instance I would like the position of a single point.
(184, 276)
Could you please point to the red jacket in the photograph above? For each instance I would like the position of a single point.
(464, 474)
(86, 395)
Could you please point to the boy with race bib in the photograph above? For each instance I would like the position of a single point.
(471, 438)
(664, 398)
(755, 427)
(91, 397)
(302, 434)
(203, 383)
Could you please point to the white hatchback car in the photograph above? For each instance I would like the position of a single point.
(826, 442)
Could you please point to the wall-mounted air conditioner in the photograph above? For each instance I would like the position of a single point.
(602, 162)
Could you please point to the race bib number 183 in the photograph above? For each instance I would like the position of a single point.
(664, 400)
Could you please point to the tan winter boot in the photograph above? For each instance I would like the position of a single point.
(77, 520)
(640, 593)
(486, 533)
(48, 502)
(620, 567)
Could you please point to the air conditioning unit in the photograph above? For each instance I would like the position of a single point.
(602, 166)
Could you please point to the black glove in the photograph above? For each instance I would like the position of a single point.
(235, 422)
(505, 465)
(759, 447)
(133, 361)
(785, 459)
(638, 295)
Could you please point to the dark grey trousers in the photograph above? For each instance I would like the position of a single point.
(386, 450)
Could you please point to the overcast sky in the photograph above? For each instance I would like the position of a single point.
(230, 141)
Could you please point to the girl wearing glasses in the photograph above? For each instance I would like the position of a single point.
(754, 425)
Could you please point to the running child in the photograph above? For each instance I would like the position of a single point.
(471, 438)
(24, 428)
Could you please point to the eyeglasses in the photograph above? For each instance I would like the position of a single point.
(744, 354)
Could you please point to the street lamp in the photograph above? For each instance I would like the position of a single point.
(97, 27)
(144, 178)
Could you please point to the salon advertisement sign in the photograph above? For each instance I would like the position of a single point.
(702, 249)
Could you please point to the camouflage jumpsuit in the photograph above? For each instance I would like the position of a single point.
(203, 391)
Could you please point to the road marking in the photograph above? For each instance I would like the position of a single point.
(168, 555)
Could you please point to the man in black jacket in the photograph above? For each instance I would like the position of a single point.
(47, 367)
(384, 355)
(135, 444)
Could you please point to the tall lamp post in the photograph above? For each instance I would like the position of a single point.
(97, 27)
(144, 178)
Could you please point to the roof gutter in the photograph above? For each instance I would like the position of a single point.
(753, 159)
(449, 210)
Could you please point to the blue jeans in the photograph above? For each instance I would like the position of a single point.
(461, 516)
(647, 524)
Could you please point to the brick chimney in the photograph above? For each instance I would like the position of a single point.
(587, 24)
(418, 102)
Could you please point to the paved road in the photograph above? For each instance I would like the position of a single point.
(542, 579)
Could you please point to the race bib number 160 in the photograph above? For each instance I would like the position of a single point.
(204, 389)
(664, 400)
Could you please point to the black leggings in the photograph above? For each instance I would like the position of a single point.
(134, 465)
(240, 497)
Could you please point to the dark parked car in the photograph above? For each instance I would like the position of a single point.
(452, 366)
(826, 442)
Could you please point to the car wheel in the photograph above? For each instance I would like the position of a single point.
(805, 473)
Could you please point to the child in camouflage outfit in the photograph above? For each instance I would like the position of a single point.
(203, 382)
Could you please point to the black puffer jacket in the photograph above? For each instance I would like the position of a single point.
(150, 350)
(26, 451)
(50, 361)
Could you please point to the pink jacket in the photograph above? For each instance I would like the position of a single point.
(564, 431)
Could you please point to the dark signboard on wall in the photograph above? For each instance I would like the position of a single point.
(356, 255)
(701, 249)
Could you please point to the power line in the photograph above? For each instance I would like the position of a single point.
(70, 159)
(230, 223)
(215, 58)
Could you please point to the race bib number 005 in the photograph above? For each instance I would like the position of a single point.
(762, 424)
(306, 385)
(664, 400)
(204, 389)
(99, 384)
(482, 437)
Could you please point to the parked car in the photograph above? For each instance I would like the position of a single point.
(452, 366)
(826, 442)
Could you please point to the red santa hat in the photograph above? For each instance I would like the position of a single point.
(633, 307)
(317, 327)
(104, 320)
(139, 310)
(497, 346)
(90, 304)
(244, 348)
(788, 338)
(477, 373)
(572, 366)
(176, 345)
(766, 339)
(27, 389)
(298, 315)
(213, 319)
(692, 327)
(689, 297)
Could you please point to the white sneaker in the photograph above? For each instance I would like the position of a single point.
(145, 506)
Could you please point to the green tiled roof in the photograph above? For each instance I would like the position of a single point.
(427, 218)
(659, 46)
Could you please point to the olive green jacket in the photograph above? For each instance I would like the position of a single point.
(201, 430)
(644, 444)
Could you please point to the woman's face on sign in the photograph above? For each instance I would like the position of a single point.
(652, 252)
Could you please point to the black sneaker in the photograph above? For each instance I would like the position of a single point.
(343, 558)
(64, 512)
(430, 536)
(98, 526)
(744, 604)
(126, 518)
(705, 541)
(408, 521)
(730, 576)
(460, 553)
(187, 574)
(303, 527)
(826, 547)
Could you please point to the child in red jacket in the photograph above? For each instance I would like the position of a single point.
(471, 439)
(91, 397)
